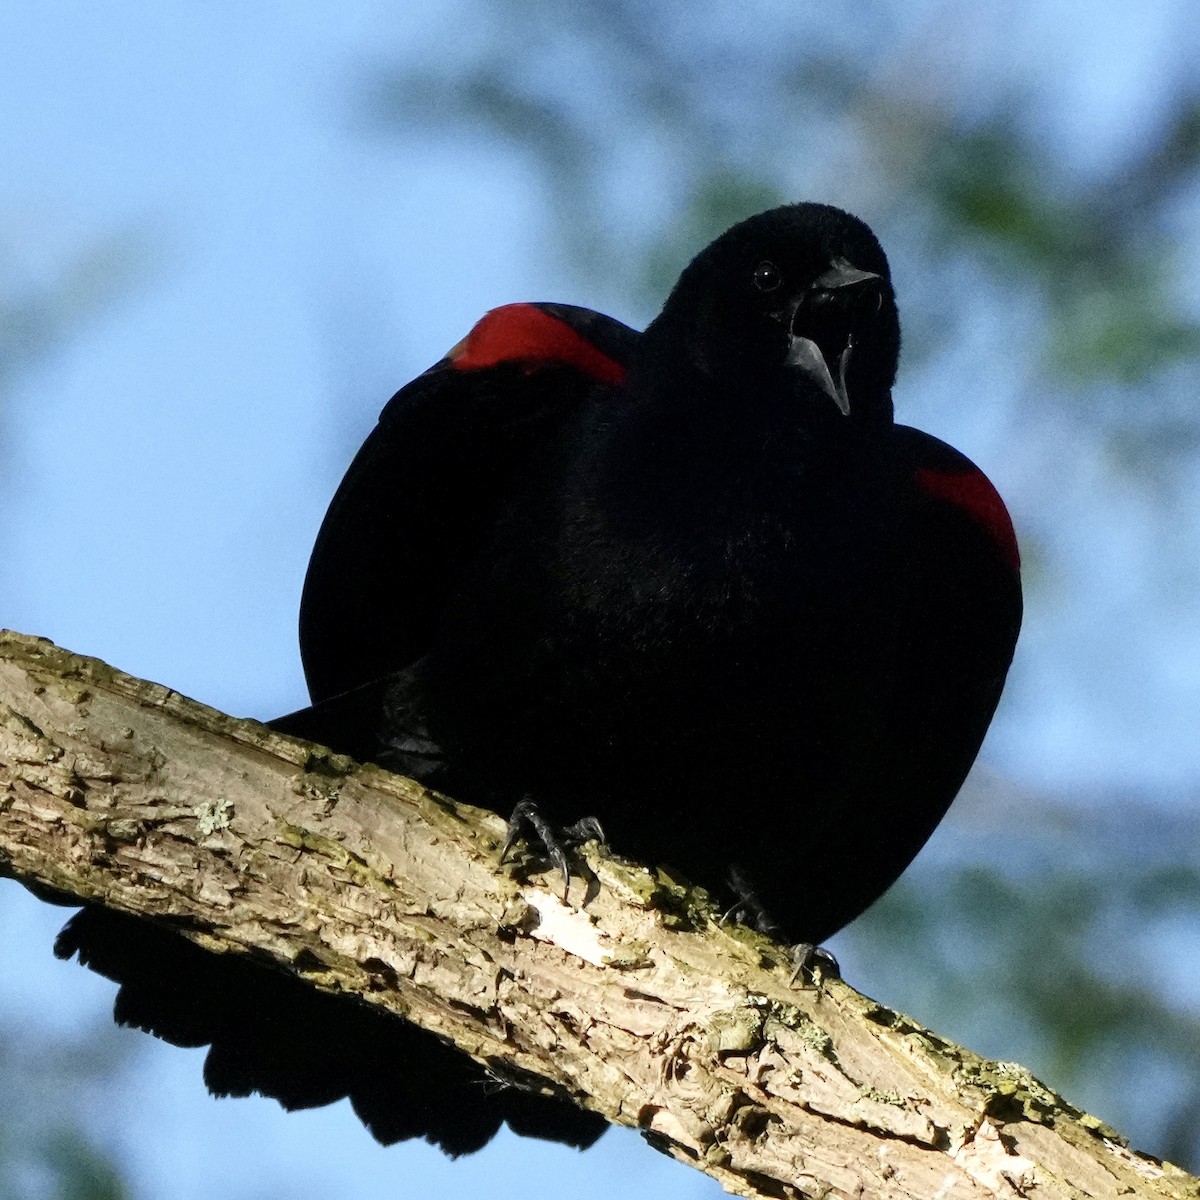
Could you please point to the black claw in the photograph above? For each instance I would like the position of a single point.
(521, 815)
(815, 963)
(747, 908)
(561, 860)
(585, 829)
(527, 818)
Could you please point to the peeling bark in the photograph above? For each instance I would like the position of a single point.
(627, 998)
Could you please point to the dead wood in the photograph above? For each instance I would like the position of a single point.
(628, 998)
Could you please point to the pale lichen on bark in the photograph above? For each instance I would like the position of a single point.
(627, 998)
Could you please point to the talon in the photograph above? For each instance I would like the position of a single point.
(527, 815)
(560, 859)
(747, 908)
(815, 962)
(585, 829)
(522, 814)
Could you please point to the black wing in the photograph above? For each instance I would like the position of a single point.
(418, 497)
(426, 486)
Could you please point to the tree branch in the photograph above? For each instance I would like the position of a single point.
(630, 999)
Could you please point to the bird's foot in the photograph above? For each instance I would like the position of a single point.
(527, 821)
(814, 964)
(747, 908)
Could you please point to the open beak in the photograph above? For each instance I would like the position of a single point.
(813, 312)
(806, 354)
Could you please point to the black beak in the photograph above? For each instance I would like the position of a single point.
(841, 274)
(809, 311)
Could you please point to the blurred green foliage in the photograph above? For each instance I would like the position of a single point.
(663, 133)
(48, 1082)
(41, 310)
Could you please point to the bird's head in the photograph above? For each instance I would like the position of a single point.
(794, 303)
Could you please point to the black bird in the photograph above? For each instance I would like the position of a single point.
(694, 582)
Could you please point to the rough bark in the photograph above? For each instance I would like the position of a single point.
(628, 998)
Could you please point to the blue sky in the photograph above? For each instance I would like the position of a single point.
(166, 467)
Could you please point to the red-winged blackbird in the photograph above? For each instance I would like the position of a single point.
(693, 582)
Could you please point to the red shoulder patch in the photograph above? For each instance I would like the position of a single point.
(971, 491)
(524, 333)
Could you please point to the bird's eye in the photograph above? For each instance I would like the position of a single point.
(767, 277)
